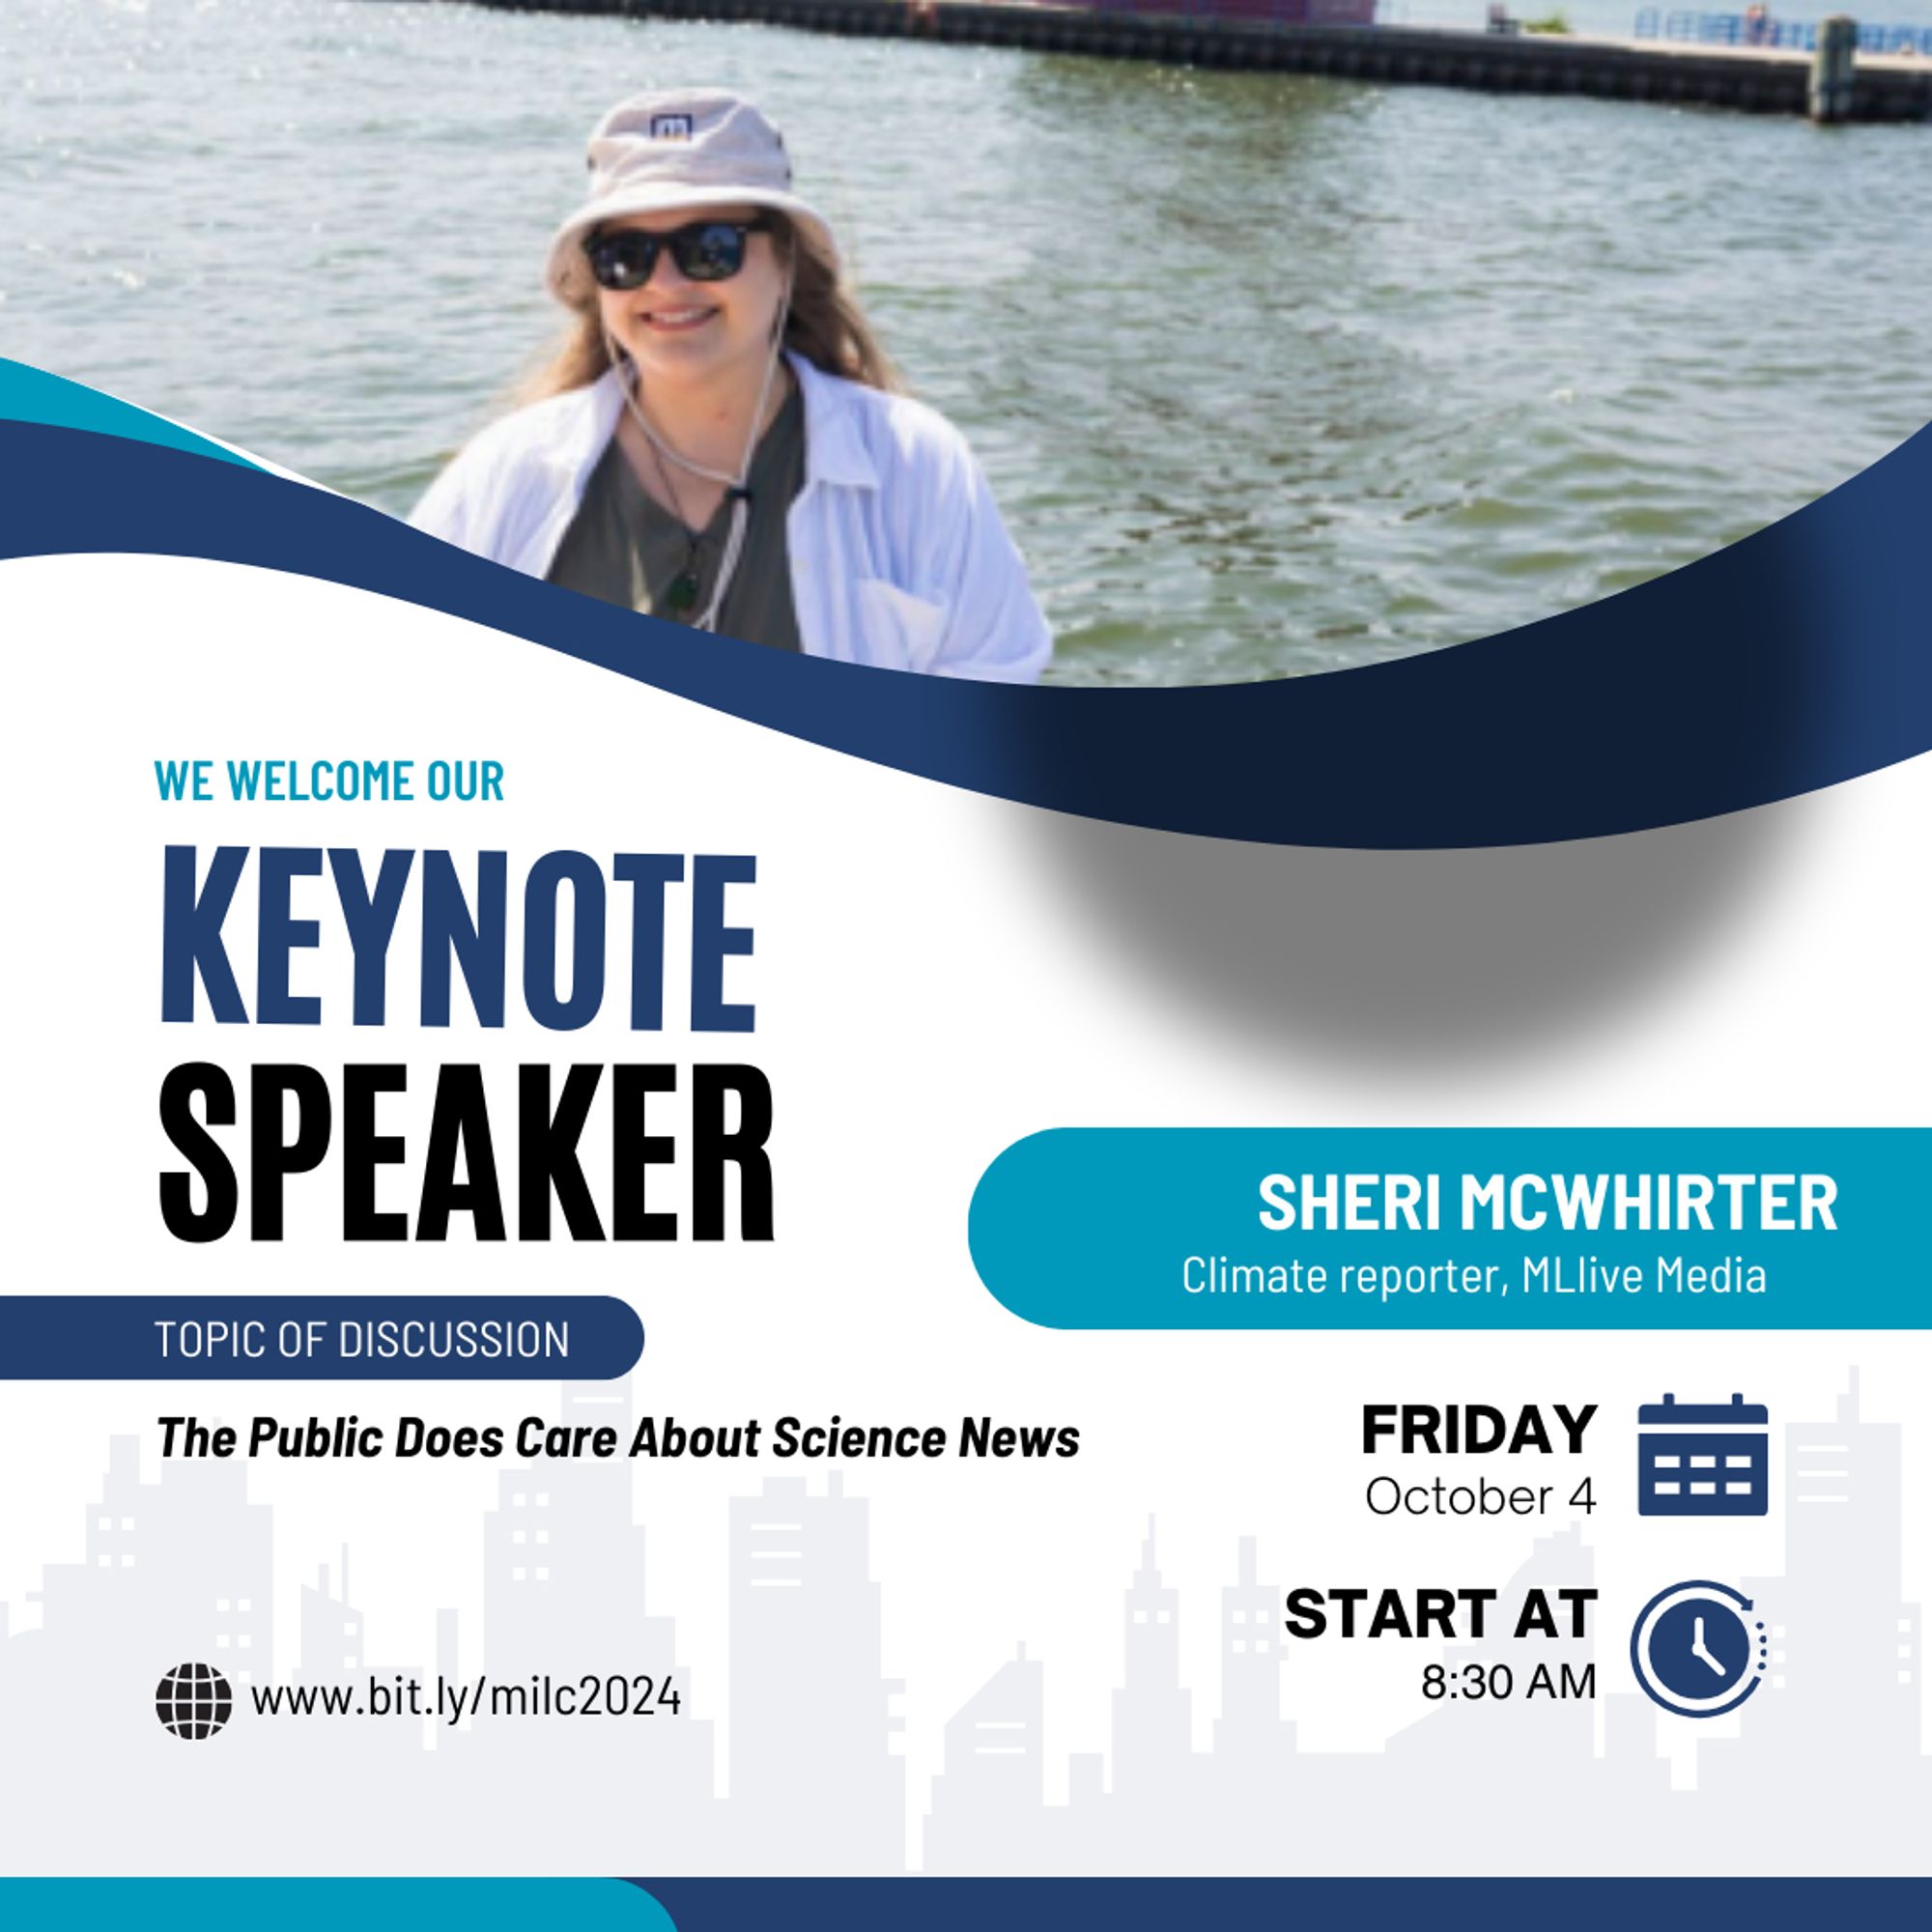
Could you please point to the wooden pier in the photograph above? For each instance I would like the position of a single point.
(1750, 80)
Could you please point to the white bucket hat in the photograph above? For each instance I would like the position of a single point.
(682, 147)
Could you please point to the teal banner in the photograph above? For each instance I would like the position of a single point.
(1478, 1227)
(328, 1905)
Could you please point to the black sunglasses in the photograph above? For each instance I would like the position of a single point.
(704, 251)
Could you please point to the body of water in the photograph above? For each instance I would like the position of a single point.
(1270, 374)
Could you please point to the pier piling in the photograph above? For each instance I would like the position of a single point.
(1833, 81)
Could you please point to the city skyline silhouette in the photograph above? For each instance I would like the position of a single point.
(803, 1774)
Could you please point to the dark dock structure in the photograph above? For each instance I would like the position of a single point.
(1827, 86)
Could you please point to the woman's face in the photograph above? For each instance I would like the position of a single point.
(699, 333)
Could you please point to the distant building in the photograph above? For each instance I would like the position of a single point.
(565, 1598)
(182, 1568)
(1250, 1736)
(988, 1803)
(816, 1784)
(1153, 1725)
(1845, 1655)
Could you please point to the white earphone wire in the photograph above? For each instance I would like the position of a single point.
(741, 501)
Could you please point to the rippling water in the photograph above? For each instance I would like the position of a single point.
(1270, 374)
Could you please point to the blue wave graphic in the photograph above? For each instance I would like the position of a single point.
(32, 395)
(1794, 660)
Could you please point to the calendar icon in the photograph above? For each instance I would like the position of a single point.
(1703, 1458)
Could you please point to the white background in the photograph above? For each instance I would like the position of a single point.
(936, 974)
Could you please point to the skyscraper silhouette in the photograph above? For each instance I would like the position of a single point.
(816, 1784)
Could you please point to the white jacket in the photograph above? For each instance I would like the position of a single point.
(899, 556)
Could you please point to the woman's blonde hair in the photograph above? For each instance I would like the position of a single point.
(823, 323)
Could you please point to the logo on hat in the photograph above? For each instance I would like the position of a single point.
(672, 126)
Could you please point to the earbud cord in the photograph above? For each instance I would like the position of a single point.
(734, 486)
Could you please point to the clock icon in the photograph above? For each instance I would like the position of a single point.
(1698, 1649)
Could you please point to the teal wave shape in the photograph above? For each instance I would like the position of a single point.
(33, 395)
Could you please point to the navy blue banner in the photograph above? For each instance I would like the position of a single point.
(1362, 1904)
(398, 1338)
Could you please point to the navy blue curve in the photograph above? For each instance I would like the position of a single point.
(1794, 660)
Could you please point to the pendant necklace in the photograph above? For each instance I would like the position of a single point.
(681, 597)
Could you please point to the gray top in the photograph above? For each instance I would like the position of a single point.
(626, 547)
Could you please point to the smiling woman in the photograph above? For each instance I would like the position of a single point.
(721, 441)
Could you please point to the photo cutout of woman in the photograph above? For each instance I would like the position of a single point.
(721, 442)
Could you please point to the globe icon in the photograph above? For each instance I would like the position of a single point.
(193, 1700)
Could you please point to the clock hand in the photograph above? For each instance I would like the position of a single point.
(1697, 1648)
